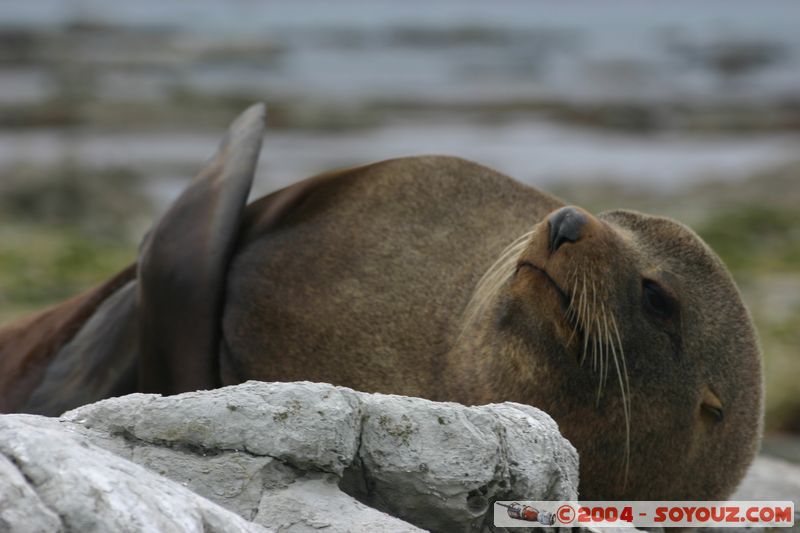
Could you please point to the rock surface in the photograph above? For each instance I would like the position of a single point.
(54, 479)
(285, 456)
(770, 478)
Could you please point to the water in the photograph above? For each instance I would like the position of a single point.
(349, 55)
(471, 49)
(541, 155)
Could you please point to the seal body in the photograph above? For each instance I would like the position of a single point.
(440, 278)
(365, 283)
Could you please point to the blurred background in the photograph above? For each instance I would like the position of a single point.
(686, 109)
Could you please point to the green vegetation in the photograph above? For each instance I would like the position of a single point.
(755, 238)
(780, 340)
(62, 231)
(42, 264)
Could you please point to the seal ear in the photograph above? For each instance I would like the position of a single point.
(183, 264)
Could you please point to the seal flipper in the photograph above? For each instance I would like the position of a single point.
(183, 265)
(75, 352)
(87, 348)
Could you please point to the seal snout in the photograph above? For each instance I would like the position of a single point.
(566, 225)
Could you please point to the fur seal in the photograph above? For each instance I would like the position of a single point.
(433, 277)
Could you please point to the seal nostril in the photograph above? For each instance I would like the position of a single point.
(566, 225)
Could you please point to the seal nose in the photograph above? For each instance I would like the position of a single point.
(566, 225)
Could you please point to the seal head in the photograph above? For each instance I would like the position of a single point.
(628, 330)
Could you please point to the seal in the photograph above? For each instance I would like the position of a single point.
(440, 278)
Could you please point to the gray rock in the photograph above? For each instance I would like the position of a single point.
(235, 480)
(770, 478)
(298, 509)
(304, 456)
(21, 509)
(439, 465)
(303, 424)
(66, 483)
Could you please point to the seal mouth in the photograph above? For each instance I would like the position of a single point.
(564, 297)
(565, 300)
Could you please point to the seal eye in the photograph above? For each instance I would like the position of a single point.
(711, 405)
(656, 301)
(714, 411)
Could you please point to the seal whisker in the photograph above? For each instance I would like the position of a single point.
(594, 321)
(603, 345)
(497, 274)
(573, 311)
(607, 342)
(570, 312)
(579, 316)
(602, 341)
(600, 357)
(584, 321)
(626, 397)
(572, 275)
(593, 346)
